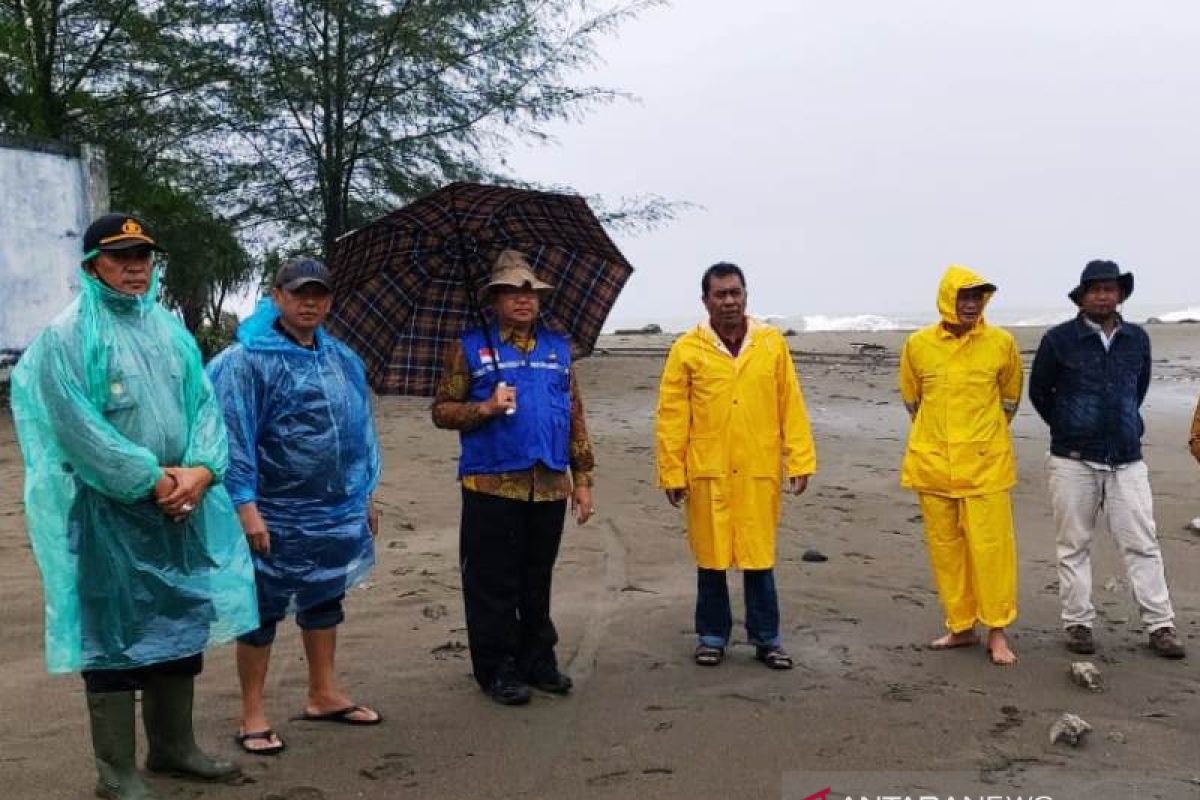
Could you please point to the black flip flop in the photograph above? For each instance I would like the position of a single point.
(342, 716)
(708, 656)
(273, 750)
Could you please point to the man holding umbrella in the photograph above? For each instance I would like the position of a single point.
(510, 392)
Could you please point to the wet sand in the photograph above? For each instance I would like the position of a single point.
(644, 721)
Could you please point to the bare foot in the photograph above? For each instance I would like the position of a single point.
(965, 638)
(998, 650)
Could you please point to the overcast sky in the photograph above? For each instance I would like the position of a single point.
(845, 152)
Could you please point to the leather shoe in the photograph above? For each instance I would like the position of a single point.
(547, 678)
(1165, 642)
(1079, 640)
(508, 691)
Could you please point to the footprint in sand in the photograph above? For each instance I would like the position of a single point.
(608, 778)
(297, 793)
(900, 693)
(390, 768)
(452, 649)
(436, 611)
(1012, 719)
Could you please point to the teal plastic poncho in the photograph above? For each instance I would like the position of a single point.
(109, 394)
(303, 449)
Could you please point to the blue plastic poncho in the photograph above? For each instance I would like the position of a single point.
(110, 393)
(302, 447)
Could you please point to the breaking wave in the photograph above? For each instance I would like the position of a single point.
(852, 322)
(1186, 315)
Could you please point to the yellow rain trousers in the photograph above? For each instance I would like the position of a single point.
(974, 556)
(728, 429)
(961, 392)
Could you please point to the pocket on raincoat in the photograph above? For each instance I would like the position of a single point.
(926, 467)
(985, 466)
(706, 457)
(767, 459)
(122, 394)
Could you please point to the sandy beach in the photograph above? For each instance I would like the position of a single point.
(644, 721)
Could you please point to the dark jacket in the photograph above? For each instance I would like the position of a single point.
(1090, 397)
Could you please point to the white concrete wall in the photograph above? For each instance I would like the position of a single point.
(45, 205)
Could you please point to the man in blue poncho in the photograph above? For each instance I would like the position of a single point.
(303, 462)
(142, 559)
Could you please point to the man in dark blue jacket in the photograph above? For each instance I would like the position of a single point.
(1089, 379)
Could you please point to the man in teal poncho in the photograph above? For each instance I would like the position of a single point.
(141, 555)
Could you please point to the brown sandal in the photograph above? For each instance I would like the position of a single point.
(774, 657)
(708, 656)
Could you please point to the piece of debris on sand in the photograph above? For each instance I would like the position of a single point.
(1086, 674)
(1069, 728)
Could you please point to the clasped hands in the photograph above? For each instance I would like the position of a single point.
(180, 490)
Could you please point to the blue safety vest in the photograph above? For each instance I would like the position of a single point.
(540, 430)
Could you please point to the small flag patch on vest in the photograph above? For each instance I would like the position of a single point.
(486, 355)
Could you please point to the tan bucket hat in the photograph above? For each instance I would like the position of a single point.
(511, 269)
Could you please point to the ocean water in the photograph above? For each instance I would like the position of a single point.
(897, 321)
(1187, 314)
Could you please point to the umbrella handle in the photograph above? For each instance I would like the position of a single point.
(508, 411)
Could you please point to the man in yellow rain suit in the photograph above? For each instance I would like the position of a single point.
(731, 424)
(961, 382)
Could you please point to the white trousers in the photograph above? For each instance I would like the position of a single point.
(1081, 494)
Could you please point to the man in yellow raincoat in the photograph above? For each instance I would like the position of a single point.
(731, 424)
(961, 382)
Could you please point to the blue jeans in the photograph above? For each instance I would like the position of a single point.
(322, 616)
(714, 617)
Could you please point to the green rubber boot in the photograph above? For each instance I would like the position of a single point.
(167, 714)
(114, 743)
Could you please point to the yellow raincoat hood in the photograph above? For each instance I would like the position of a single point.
(960, 390)
(958, 277)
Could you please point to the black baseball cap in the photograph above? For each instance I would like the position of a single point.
(113, 232)
(301, 271)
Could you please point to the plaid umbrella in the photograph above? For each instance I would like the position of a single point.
(407, 284)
